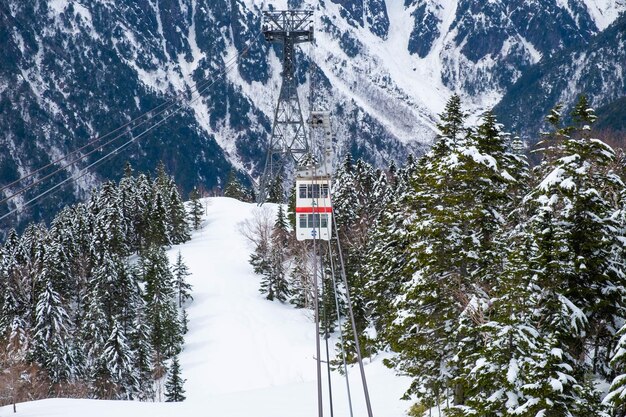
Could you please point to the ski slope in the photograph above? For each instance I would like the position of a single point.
(244, 356)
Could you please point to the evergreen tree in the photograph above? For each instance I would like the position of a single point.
(300, 281)
(174, 391)
(179, 231)
(195, 208)
(576, 231)
(235, 189)
(144, 355)
(275, 192)
(51, 334)
(158, 227)
(616, 397)
(275, 283)
(119, 360)
(161, 313)
(459, 194)
(182, 287)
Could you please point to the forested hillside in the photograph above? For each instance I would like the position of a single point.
(500, 285)
(90, 307)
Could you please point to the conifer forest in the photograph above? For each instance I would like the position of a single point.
(494, 270)
(90, 306)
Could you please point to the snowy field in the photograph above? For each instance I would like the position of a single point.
(243, 355)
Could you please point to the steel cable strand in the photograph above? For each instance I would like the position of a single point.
(175, 102)
(352, 321)
(341, 338)
(85, 171)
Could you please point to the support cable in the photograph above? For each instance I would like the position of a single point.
(326, 337)
(150, 113)
(353, 322)
(320, 410)
(341, 339)
(334, 281)
(83, 172)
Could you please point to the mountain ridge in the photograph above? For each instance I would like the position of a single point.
(385, 72)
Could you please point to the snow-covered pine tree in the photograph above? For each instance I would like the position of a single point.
(119, 360)
(196, 211)
(174, 391)
(356, 207)
(388, 252)
(235, 189)
(161, 312)
(158, 226)
(275, 191)
(459, 194)
(14, 304)
(109, 233)
(30, 261)
(140, 343)
(93, 334)
(300, 280)
(183, 289)
(261, 262)
(616, 397)
(179, 230)
(275, 285)
(577, 196)
(51, 332)
(143, 195)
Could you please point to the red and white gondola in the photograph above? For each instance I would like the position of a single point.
(314, 211)
(313, 207)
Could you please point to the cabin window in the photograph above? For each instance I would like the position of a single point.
(314, 221)
(313, 191)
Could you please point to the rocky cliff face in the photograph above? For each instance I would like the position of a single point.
(74, 70)
(595, 68)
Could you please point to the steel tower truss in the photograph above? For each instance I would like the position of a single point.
(289, 141)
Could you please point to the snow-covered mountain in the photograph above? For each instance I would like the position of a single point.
(595, 69)
(73, 70)
(243, 355)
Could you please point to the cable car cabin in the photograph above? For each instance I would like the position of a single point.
(313, 209)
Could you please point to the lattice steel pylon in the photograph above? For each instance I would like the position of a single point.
(289, 140)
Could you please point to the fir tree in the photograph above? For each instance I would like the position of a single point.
(195, 208)
(119, 361)
(300, 278)
(161, 313)
(459, 195)
(182, 287)
(616, 397)
(235, 189)
(179, 230)
(275, 192)
(276, 283)
(174, 391)
(144, 355)
(51, 334)
(158, 233)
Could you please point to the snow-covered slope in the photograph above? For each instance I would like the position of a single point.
(243, 355)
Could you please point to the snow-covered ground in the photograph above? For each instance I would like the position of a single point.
(243, 355)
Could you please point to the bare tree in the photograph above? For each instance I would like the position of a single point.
(19, 379)
(258, 229)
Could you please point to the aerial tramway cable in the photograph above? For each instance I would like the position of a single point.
(309, 177)
(353, 322)
(150, 113)
(172, 103)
